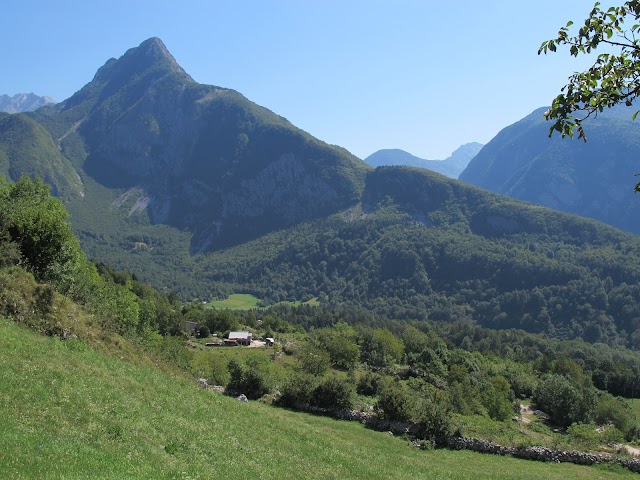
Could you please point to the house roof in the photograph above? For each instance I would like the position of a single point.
(242, 335)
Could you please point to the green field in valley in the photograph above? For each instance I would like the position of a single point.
(79, 413)
(245, 301)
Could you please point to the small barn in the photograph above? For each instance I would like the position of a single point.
(243, 338)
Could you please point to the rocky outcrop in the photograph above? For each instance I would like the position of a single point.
(23, 102)
(368, 419)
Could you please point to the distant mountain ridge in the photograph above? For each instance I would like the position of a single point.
(451, 167)
(23, 102)
(593, 179)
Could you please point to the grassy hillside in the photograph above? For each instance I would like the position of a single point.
(78, 413)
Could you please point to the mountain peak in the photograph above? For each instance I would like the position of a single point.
(155, 49)
(135, 72)
(23, 102)
(152, 54)
(469, 150)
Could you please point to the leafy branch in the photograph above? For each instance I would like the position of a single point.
(614, 78)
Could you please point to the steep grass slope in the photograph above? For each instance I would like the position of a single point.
(71, 412)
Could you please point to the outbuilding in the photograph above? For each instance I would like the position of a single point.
(243, 338)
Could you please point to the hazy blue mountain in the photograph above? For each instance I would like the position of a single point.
(593, 179)
(451, 166)
(23, 102)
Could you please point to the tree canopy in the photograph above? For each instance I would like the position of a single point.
(614, 77)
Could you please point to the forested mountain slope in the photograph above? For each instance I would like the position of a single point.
(593, 179)
(423, 246)
(26, 148)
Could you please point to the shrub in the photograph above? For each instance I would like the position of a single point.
(37, 223)
(612, 435)
(253, 379)
(313, 360)
(496, 399)
(616, 411)
(584, 433)
(297, 390)
(433, 417)
(344, 353)
(212, 367)
(367, 382)
(334, 392)
(523, 384)
(380, 348)
(565, 400)
(395, 400)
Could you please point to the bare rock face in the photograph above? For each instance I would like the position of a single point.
(285, 188)
(23, 102)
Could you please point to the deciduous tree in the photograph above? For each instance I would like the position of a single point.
(614, 77)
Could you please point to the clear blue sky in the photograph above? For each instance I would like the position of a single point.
(424, 76)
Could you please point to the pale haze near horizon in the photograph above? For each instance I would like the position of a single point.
(422, 76)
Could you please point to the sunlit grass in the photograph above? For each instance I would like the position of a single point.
(245, 301)
(69, 411)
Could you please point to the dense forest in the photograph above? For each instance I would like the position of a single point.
(456, 254)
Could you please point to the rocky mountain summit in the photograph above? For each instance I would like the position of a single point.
(23, 102)
(198, 157)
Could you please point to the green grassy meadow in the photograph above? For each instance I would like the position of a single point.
(69, 411)
(245, 301)
(235, 301)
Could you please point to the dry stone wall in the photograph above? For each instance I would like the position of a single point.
(541, 454)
